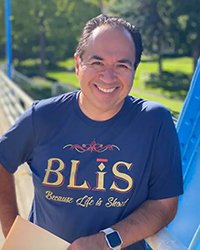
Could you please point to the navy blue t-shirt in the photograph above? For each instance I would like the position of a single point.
(89, 174)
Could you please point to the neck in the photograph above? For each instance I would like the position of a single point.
(95, 113)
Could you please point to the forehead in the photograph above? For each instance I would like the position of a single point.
(111, 42)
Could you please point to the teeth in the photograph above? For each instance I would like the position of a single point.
(106, 90)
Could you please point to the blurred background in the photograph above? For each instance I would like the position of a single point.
(45, 34)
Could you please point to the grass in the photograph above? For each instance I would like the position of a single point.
(64, 77)
(145, 69)
(68, 63)
(174, 105)
(170, 90)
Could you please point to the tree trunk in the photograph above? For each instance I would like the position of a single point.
(42, 46)
(160, 66)
(103, 8)
(196, 54)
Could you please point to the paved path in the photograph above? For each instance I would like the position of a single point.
(4, 124)
(3, 127)
(23, 180)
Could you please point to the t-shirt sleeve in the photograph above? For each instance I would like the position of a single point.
(17, 144)
(166, 176)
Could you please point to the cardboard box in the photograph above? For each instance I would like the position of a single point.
(25, 235)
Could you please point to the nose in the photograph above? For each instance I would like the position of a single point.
(108, 75)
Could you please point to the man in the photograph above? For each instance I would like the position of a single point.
(106, 166)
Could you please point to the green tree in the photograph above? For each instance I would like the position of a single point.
(153, 19)
(102, 4)
(167, 27)
(47, 30)
(187, 16)
(29, 32)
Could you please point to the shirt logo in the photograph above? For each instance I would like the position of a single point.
(92, 147)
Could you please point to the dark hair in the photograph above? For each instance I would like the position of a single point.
(112, 21)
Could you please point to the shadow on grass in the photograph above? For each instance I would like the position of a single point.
(176, 85)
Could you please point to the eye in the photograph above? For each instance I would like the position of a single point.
(97, 63)
(122, 66)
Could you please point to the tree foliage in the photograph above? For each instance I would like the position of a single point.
(188, 22)
(48, 30)
(167, 27)
(152, 18)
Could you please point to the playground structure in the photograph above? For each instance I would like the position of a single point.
(186, 225)
(184, 231)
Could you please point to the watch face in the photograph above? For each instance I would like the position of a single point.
(114, 239)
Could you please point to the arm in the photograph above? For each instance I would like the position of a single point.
(8, 204)
(149, 218)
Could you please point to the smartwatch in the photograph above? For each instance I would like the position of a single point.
(112, 238)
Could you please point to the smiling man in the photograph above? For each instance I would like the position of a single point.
(105, 71)
(106, 166)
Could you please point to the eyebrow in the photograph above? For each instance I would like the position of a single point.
(126, 61)
(96, 57)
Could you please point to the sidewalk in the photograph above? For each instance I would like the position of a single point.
(23, 180)
(3, 127)
(4, 124)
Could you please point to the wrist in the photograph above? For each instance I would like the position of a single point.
(102, 241)
(112, 238)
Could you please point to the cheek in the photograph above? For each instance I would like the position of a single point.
(131, 78)
(127, 79)
(86, 74)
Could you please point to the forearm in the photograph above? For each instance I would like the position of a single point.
(8, 204)
(149, 218)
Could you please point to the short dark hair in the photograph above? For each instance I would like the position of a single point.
(112, 21)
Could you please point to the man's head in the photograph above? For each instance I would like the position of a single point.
(101, 20)
(106, 59)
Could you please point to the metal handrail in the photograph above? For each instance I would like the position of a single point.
(14, 100)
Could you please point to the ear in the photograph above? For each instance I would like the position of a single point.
(77, 63)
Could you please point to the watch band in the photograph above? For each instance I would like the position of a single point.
(108, 231)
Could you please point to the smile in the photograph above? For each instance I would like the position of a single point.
(106, 90)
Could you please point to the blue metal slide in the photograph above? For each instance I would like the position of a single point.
(186, 225)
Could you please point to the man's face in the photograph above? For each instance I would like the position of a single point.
(105, 72)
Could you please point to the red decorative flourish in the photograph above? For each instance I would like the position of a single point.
(92, 147)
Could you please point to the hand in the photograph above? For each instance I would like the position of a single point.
(93, 242)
